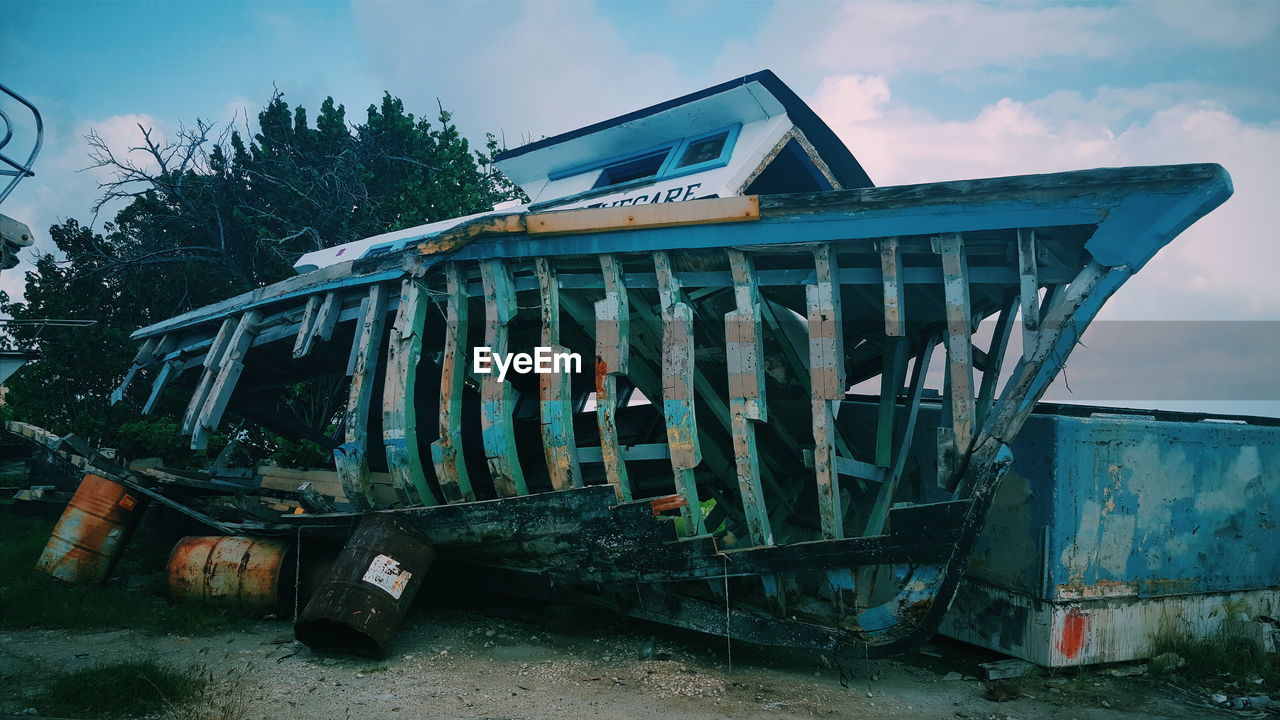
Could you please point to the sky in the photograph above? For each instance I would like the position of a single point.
(918, 91)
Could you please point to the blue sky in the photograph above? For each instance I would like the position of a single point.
(919, 91)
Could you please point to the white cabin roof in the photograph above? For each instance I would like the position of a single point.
(752, 135)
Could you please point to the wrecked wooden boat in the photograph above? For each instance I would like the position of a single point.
(729, 276)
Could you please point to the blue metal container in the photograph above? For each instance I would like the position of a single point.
(1115, 529)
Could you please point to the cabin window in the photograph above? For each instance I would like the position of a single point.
(639, 168)
(704, 150)
(689, 155)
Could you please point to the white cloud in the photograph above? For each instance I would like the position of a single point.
(527, 68)
(971, 40)
(1222, 267)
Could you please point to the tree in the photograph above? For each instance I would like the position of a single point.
(208, 215)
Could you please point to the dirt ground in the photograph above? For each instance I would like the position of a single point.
(452, 663)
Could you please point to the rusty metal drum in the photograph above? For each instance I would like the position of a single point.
(360, 603)
(93, 531)
(250, 575)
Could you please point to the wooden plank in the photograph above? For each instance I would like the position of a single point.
(613, 323)
(1029, 290)
(446, 452)
(302, 345)
(826, 385)
(361, 320)
(496, 396)
(229, 369)
(892, 369)
(327, 317)
(351, 457)
(629, 217)
(955, 269)
(166, 373)
(209, 373)
(744, 351)
(555, 397)
(995, 358)
(678, 391)
(877, 517)
(649, 451)
(399, 391)
(895, 322)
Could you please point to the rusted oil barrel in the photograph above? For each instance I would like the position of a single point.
(360, 603)
(251, 575)
(92, 532)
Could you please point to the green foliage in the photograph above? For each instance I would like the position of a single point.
(1222, 663)
(209, 216)
(302, 454)
(32, 599)
(134, 688)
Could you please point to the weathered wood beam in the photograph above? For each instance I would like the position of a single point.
(399, 391)
(827, 385)
(167, 372)
(555, 398)
(613, 347)
(895, 321)
(350, 458)
(230, 366)
(995, 357)
(446, 451)
(677, 391)
(955, 270)
(302, 345)
(744, 352)
(209, 373)
(1029, 290)
(877, 517)
(496, 396)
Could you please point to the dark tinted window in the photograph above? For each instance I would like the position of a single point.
(635, 169)
(704, 150)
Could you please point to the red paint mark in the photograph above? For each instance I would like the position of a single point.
(602, 369)
(1073, 628)
(128, 502)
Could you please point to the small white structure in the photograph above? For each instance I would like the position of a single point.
(749, 136)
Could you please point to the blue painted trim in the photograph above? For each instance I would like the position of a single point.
(674, 149)
(611, 160)
(668, 170)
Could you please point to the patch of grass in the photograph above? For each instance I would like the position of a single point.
(224, 698)
(1222, 663)
(32, 599)
(129, 689)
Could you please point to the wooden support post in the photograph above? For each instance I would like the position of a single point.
(677, 391)
(827, 385)
(613, 314)
(1029, 290)
(555, 397)
(895, 322)
(326, 317)
(209, 373)
(230, 365)
(446, 452)
(399, 389)
(995, 358)
(350, 457)
(955, 284)
(163, 376)
(744, 349)
(877, 518)
(302, 344)
(496, 396)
